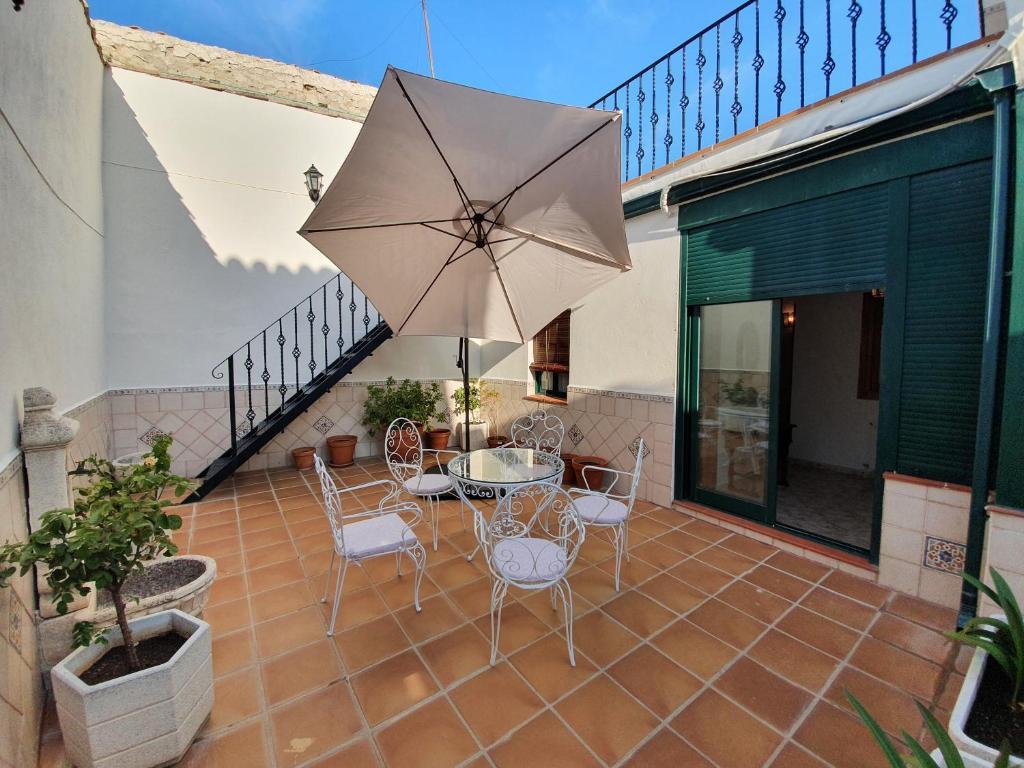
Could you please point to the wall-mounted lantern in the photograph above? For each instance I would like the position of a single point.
(313, 181)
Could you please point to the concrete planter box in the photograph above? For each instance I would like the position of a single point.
(477, 432)
(145, 719)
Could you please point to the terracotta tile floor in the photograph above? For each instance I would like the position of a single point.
(719, 651)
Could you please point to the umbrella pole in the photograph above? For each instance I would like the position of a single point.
(465, 385)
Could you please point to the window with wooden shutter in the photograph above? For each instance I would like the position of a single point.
(550, 366)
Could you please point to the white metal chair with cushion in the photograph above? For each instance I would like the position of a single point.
(404, 452)
(609, 509)
(531, 543)
(359, 536)
(538, 430)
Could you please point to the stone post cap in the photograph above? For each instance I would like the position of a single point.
(42, 428)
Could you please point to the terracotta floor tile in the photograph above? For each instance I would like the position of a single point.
(429, 737)
(539, 604)
(893, 709)
(852, 613)
(398, 592)
(235, 698)
(495, 702)
(545, 666)
(259, 518)
(898, 667)
(392, 686)
(779, 582)
(546, 739)
(358, 755)
(228, 617)
(218, 550)
(857, 588)
(706, 531)
(518, 627)
(265, 537)
(824, 634)
(839, 739)
(763, 693)
(314, 724)
(694, 649)
(473, 599)
(309, 545)
(596, 549)
(313, 527)
(607, 718)
(792, 756)
(726, 623)
(228, 565)
(355, 609)
(754, 601)
(937, 617)
(647, 527)
(226, 588)
(657, 554)
(297, 501)
(634, 572)
(304, 514)
(666, 750)
(437, 616)
(673, 593)
(264, 556)
(682, 541)
(214, 533)
(233, 652)
(371, 642)
(206, 507)
(289, 632)
(257, 497)
(659, 683)
(273, 576)
(701, 575)
(283, 600)
(457, 654)
(295, 673)
(726, 560)
(602, 639)
(924, 642)
(454, 573)
(594, 584)
(638, 613)
(793, 660)
(202, 522)
(748, 547)
(242, 747)
(800, 567)
(725, 733)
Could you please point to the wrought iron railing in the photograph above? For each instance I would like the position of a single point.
(766, 58)
(280, 362)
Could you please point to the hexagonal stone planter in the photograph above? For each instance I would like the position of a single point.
(144, 719)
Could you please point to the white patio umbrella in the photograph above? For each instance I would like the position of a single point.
(460, 212)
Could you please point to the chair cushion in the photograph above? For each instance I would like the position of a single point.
(377, 535)
(428, 485)
(529, 560)
(599, 510)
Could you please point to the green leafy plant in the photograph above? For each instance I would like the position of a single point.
(410, 399)
(481, 395)
(1001, 639)
(118, 523)
(919, 757)
(739, 394)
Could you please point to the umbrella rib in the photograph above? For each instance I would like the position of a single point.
(463, 197)
(578, 252)
(508, 301)
(380, 226)
(424, 294)
(444, 231)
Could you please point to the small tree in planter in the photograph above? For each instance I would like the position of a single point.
(117, 524)
(480, 395)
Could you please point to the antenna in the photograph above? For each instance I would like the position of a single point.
(426, 26)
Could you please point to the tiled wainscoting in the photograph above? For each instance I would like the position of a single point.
(95, 430)
(21, 685)
(924, 538)
(1004, 550)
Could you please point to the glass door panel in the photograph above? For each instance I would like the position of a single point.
(733, 452)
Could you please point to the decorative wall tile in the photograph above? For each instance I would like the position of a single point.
(943, 555)
(323, 425)
(634, 447)
(575, 434)
(151, 435)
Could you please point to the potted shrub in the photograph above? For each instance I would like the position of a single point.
(480, 393)
(342, 450)
(142, 690)
(990, 707)
(410, 399)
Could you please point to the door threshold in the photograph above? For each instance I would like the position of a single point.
(858, 565)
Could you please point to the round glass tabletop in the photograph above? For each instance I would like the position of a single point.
(506, 466)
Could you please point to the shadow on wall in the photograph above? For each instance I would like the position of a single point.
(179, 306)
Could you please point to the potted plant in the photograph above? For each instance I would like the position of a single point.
(303, 457)
(593, 481)
(410, 400)
(479, 393)
(142, 690)
(990, 707)
(342, 450)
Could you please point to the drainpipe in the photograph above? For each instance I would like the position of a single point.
(999, 82)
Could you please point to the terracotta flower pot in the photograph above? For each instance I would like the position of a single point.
(595, 480)
(342, 450)
(496, 441)
(437, 439)
(569, 476)
(303, 457)
(405, 448)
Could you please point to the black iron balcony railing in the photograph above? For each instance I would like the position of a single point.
(766, 58)
(293, 353)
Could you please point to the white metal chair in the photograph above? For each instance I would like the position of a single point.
(610, 509)
(531, 543)
(540, 431)
(359, 536)
(404, 452)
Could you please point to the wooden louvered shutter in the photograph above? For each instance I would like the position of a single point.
(551, 346)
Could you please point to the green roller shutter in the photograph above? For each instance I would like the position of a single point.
(829, 244)
(944, 321)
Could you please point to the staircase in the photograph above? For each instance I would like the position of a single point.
(285, 368)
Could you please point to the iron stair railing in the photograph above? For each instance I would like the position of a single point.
(286, 367)
(722, 80)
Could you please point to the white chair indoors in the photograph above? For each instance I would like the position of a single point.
(404, 452)
(609, 509)
(531, 543)
(538, 430)
(359, 536)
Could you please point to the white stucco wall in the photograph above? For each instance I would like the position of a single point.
(52, 294)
